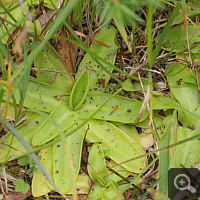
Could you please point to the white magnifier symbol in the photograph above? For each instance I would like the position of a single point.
(182, 182)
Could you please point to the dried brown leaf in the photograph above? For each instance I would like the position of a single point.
(67, 50)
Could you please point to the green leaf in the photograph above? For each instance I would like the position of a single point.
(39, 96)
(120, 26)
(176, 39)
(128, 85)
(96, 165)
(183, 86)
(191, 156)
(51, 4)
(58, 75)
(21, 186)
(79, 92)
(109, 192)
(98, 78)
(160, 102)
(96, 192)
(164, 161)
(116, 145)
(10, 147)
(112, 192)
(193, 10)
(119, 169)
(24, 161)
(119, 109)
(64, 166)
(63, 117)
(14, 14)
(40, 185)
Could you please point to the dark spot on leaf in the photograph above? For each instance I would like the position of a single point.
(42, 102)
(55, 161)
(57, 171)
(129, 110)
(45, 107)
(58, 145)
(180, 81)
(102, 82)
(108, 129)
(36, 122)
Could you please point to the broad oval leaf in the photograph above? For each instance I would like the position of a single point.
(40, 185)
(105, 46)
(79, 92)
(62, 167)
(67, 160)
(117, 145)
(56, 72)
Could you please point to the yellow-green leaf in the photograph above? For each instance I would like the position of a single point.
(117, 145)
(79, 92)
(40, 185)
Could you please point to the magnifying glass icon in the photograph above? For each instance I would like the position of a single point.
(182, 182)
